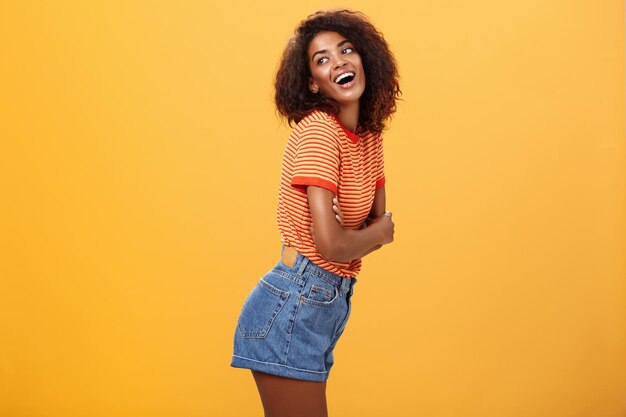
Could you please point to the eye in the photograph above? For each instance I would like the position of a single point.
(347, 50)
(321, 60)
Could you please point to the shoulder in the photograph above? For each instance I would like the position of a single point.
(372, 139)
(376, 137)
(320, 120)
(318, 125)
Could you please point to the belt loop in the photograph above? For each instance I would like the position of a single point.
(303, 264)
(345, 285)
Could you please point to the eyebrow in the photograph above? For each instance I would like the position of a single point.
(323, 51)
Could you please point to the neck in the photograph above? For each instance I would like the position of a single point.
(349, 116)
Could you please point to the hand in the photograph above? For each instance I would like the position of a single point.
(337, 210)
(385, 223)
(373, 220)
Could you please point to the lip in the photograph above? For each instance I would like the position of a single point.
(346, 85)
(341, 73)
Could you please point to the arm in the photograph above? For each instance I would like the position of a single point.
(378, 207)
(375, 248)
(334, 242)
(378, 210)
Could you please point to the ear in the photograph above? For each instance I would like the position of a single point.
(313, 87)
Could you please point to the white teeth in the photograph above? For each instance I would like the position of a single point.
(344, 75)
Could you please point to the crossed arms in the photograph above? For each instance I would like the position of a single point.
(336, 243)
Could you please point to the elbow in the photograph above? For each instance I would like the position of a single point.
(332, 250)
(325, 248)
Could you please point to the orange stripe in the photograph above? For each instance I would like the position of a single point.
(314, 181)
(318, 152)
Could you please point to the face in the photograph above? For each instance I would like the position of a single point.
(336, 68)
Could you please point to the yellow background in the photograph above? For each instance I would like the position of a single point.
(139, 165)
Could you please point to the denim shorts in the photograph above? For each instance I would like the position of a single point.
(292, 320)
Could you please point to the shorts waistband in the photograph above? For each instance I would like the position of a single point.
(300, 263)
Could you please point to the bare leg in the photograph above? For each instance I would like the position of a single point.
(287, 397)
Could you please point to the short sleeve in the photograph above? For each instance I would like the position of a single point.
(317, 158)
(380, 163)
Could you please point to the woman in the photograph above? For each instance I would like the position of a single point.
(338, 82)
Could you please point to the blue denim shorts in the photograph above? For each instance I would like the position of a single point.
(292, 320)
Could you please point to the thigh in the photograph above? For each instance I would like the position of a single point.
(287, 397)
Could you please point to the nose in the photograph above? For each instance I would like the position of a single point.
(340, 61)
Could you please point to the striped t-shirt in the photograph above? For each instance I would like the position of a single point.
(321, 152)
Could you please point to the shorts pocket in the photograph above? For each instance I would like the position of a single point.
(321, 296)
(260, 309)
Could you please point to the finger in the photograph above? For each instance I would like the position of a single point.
(388, 213)
(339, 219)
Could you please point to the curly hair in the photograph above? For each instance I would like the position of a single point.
(378, 101)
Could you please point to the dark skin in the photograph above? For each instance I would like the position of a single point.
(329, 54)
(287, 397)
(338, 244)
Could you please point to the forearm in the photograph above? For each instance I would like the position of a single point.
(334, 242)
(377, 210)
(375, 248)
(354, 244)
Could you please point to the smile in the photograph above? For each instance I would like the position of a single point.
(345, 78)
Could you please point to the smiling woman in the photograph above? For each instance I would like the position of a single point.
(338, 82)
(337, 72)
(377, 103)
